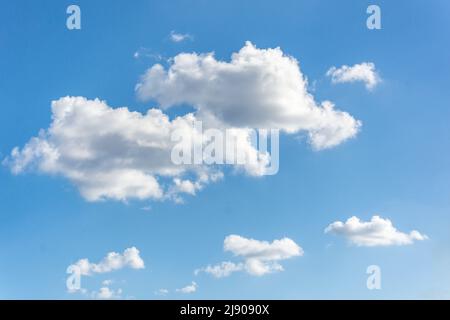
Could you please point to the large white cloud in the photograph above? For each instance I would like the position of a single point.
(114, 153)
(113, 261)
(364, 72)
(221, 270)
(260, 257)
(376, 232)
(258, 88)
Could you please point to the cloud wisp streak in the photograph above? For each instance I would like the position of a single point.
(364, 72)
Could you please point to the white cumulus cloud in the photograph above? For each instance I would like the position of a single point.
(259, 257)
(221, 270)
(376, 232)
(118, 154)
(107, 282)
(162, 292)
(364, 72)
(258, 88)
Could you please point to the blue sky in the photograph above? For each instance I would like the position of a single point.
(395, 167)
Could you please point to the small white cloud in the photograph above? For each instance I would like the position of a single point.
(113, 261)
(258, 88)
(106, 293)
(189, 288)
(260, 257)
(364, 72)
(162, 292)
(179, 37)
(107, 282)
(376, 232)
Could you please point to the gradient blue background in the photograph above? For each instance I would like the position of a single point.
(397, 167)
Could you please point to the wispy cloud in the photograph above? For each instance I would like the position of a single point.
(113, 261)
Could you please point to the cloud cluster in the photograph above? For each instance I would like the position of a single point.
(258, 88)
(113, 261)
(364, 72)
(114, 153)
(260, 257)
(376, 232)
(191, 288)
